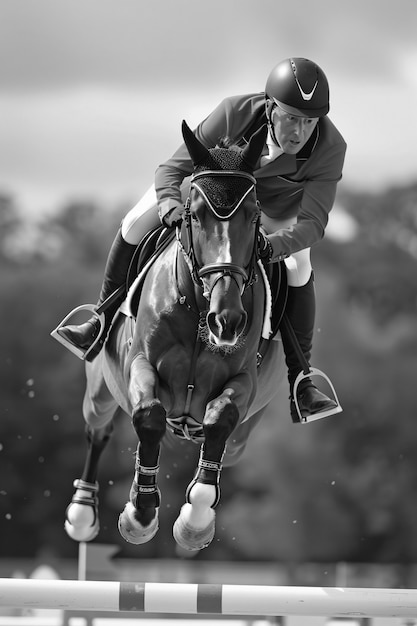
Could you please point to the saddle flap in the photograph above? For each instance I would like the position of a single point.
(148, 251)
(276, 276)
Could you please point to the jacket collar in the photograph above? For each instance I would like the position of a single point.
(290, 163)
(284, 164)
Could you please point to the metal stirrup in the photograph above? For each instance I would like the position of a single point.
(79, 352)
(305, 373)
(314, 371)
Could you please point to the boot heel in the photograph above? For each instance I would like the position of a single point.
(314, 371)
(94, 349)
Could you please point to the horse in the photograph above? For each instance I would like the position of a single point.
(183, 353)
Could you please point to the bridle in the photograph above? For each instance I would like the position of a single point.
(244, 277)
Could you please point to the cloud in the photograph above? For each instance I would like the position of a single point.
(129, 41)
(93, 92)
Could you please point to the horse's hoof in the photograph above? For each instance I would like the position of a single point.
(132, 531)
(191, 539)
(81, 517)
(82, 533)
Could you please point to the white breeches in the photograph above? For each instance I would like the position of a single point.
(144, 216)
(299, 263)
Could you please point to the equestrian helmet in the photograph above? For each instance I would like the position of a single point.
(299, 87)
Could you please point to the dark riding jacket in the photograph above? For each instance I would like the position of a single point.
(301, 185)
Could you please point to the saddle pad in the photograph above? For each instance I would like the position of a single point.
(267, 325)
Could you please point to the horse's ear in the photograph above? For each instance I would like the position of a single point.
(198, 153)
(253, 150)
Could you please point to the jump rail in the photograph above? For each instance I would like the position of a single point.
(177, 598)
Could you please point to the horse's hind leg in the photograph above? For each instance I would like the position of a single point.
(99, 408)
(82, 522)
(195, 526)
(138, 523)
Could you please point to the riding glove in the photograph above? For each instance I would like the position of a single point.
(173, 217)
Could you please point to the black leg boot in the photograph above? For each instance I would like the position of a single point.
(301, 313)
(115, 275)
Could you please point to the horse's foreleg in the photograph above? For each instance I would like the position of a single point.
(82, 522)
(195, 526)
(138, 523)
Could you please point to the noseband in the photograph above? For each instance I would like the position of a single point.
(247, 277)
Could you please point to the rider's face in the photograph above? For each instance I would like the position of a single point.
(292, 131)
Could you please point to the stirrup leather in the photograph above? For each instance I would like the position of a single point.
(314, 371)
(79, 352)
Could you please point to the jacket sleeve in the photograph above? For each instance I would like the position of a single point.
(317, 201)
(170, 175)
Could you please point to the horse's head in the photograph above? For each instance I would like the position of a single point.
(222, 220)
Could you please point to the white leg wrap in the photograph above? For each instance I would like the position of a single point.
(198, 513)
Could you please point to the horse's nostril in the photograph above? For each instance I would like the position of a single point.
(226, 326)
(212, 323)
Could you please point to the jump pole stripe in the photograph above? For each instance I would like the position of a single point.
(175, 597)
(178, 598)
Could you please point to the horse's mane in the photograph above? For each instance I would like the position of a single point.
(223, 191)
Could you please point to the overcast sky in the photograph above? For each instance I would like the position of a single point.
(92, 92)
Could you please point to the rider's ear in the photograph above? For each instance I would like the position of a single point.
(269, 105)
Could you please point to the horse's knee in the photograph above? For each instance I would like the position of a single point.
(220, 419)
(149, 422)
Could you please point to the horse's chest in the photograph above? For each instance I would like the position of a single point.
(180, 364)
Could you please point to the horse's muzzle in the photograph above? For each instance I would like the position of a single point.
(226, 326)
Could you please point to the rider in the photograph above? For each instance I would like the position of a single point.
(296, 177)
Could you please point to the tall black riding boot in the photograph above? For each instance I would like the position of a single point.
(301, 313)
(115, 275)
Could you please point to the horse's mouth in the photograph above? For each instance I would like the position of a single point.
(219, 345)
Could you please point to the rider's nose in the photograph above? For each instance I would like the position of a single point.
(299, 127)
